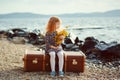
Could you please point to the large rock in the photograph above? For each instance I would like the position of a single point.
(89, 44)
(72, 43)
(17, 32)
(3, 34)
(114, 50)
(109, 49)
(36, 39)
(104, 46)
(70, 47)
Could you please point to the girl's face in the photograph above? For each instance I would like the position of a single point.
(57, 25)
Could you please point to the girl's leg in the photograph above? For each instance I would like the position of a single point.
(61, 60)
(52, 60)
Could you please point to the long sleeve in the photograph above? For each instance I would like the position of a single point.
(47, 40)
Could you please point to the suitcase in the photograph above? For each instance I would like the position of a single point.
(39, 61)
(34, 61)
(74, 61)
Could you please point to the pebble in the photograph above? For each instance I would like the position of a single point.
(11, 66)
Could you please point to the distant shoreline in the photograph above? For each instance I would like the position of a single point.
(112, 13)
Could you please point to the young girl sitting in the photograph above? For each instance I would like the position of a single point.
(52, 46)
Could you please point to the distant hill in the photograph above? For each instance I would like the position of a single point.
(21, 15)
(112, 13)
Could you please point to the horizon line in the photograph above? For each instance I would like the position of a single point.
(62, 13)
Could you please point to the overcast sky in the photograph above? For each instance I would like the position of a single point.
(58, 6)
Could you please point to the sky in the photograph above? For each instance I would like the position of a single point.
(57, 6)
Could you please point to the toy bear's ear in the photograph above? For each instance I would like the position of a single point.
(65, 32)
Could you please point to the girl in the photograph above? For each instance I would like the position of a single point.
(54, 27)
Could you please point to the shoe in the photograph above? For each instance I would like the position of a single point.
(52, 74)
(61, 73)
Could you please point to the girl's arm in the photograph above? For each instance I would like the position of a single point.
(47, 41)
(47, 38)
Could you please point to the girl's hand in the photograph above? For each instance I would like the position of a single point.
(54, 47)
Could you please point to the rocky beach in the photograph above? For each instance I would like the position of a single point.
(11, 66)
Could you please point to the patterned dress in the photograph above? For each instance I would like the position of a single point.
(50, 40)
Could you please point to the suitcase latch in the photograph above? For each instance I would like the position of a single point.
(35, 61)
(74, 62)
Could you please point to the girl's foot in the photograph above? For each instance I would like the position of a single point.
(52, 74)
(61, 73)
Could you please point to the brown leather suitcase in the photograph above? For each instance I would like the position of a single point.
(34, 61)
(74, 61)
(39, 61)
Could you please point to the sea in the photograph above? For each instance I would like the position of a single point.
(102, 28)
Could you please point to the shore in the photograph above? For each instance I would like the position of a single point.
(11, 66)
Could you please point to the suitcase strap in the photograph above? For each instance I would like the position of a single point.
(44, 62)
(65, 64)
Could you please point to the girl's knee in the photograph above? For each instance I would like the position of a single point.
(60, 53)
(52, 54)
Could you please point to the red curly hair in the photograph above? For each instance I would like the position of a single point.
(51, 26)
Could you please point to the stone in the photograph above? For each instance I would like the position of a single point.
(91, 56)
(89, 44)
